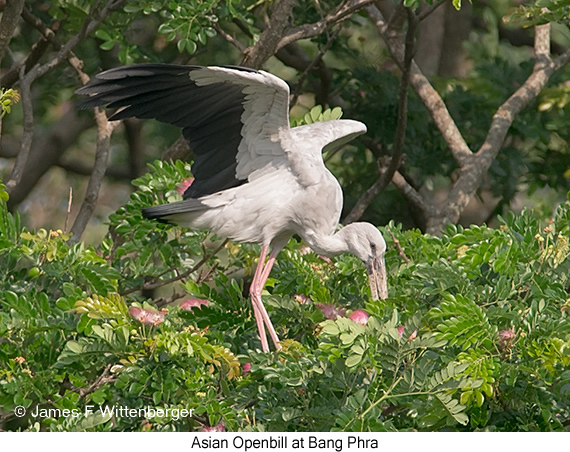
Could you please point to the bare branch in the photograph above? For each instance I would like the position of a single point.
(473, 167)
(101, 380)
(36, 52)
(294, 56)
(156, 282)
(27, 135)
(268, 42)
(398, 247)
(122, 173)
(410, 193)
(9, 22)
(561, 61)
(68, 212)
(179, 150)
(104, 131)
(431, 99)
(233, 41)
(26, 81)
(92, 21)
(424, 14)
(472, 174)
(342, 12)
(315, 61)
(47, 150)
(541, 45)
(48, 33)
(386, 176)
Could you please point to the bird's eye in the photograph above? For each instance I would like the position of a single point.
(373, 246)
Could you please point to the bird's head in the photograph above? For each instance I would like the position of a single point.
(366, 242)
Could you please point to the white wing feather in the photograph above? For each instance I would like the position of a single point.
(265, 116)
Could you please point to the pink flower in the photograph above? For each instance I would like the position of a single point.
(216, 428)
(246, 368)
(331, 311)
(401, 329)
(183, 186)
(187, 305)
(505, 338)
(359, 316)
(146, 316)
(302, 299)
(20, 359)
(304, 250)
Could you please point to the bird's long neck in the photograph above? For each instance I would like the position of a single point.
(329, 245)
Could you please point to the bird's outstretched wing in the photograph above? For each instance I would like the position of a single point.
(230, 115)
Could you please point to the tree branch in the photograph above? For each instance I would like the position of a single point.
(233, 41)
(91, 22)
(104, 132)
(101, 380)
(471, 175)
(268, 42)
(387, 175)
(425, 13)
(294, 56)
(8, 23)
(314, 62)
(398, 247)
(429, 96)
(48, 36)
(179, 150)
(156, 282)
(28, 133)
(342, 12)
(47, 150)
(410, 193)
(121, 173)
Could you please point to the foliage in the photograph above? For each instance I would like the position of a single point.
(316, 114)
(156, 319)
(8, 97)
(363, 81)
(534, 156)
(474, 334)
(542, 12)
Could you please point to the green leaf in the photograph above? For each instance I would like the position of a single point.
(181, 45)
(74, 347)
(132, 8)
(102, 34)
(107, 45)
(165, 28)
(90, 422)
(353, 360)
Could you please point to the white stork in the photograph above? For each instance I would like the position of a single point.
(256, 179)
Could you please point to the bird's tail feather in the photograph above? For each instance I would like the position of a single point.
(166, 212)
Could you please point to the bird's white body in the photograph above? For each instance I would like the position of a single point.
(282, 198)
(256, 179)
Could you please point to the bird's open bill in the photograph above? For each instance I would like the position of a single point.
(377, 278)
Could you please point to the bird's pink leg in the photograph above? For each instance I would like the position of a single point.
(254, 301)
(263, 280)
(260, 278)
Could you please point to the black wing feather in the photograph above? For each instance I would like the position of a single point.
(210, 116)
